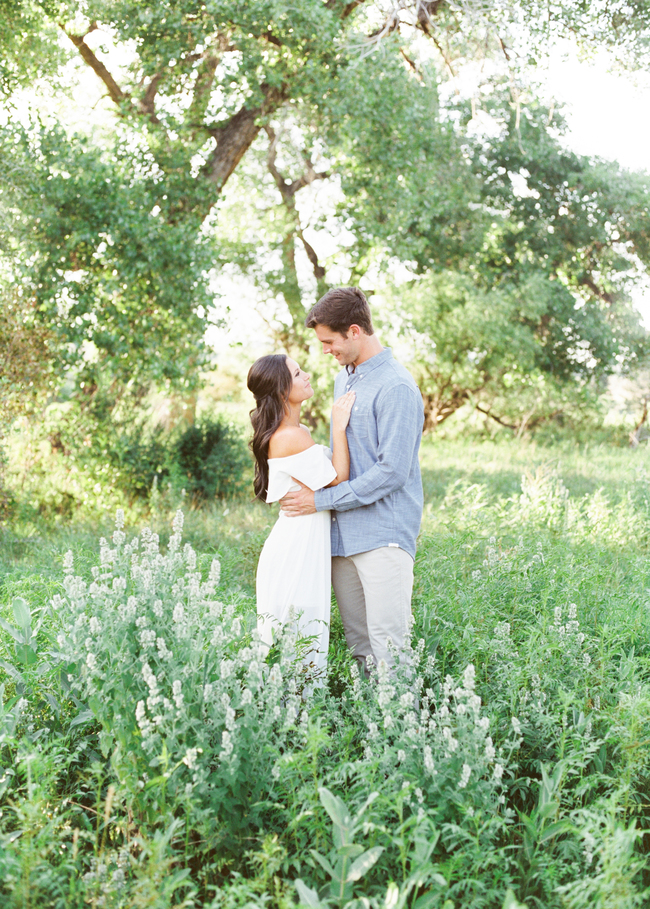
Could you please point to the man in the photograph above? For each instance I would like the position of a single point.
(376, 514)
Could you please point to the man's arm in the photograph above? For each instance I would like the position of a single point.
(399, 429)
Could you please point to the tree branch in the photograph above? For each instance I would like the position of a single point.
(348, 9)
(587, 281)
(236, 135)
(493, 416)
(115, 92)
(289, 190)
(202, 89)
(146, 105)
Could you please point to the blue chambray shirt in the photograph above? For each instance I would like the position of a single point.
(381, 503)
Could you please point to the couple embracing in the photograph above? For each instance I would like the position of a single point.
(350, 514)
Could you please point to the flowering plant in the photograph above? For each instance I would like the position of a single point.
(190, 712)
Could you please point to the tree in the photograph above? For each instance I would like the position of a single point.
(540, 306)
(116, 231)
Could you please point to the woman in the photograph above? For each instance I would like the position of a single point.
(293, 574)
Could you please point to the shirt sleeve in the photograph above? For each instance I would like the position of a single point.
(399, 429)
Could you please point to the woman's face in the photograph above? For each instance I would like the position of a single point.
(300, 388)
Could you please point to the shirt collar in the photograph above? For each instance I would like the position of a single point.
(371, 363)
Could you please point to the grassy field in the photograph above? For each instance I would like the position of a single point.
(151, 757)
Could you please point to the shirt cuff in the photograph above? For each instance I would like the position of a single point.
(323, 499)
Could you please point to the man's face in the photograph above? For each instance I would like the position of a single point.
(343, 348)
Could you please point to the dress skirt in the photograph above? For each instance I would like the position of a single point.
(294, 570)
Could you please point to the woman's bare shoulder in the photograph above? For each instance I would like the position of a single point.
(289, 440)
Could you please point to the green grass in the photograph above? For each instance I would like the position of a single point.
(532, 566)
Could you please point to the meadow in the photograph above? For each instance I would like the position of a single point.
(153, 756)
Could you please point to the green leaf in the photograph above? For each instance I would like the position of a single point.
(325, 865)
(511, 901)
(16, 635)
(350, 850)
(86, 716)
(26, 654)
(335, 807)
(13, 672)
(306, 895)
(364, 863)
(22, 614)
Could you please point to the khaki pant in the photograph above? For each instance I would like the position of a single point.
(373, 591)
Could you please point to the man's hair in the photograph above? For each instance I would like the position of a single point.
(340, 308)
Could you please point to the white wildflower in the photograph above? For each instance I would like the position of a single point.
(94, 625)
(149, 677)
(490, 753)
(516, 725)
(131, 608)
(91, 662)
(163, 651)
(428, 760)
(190, 757)
(498, 771)
(189, 556)
(177, 523)
(226, 745)
(158, 609)
(573, 611)
(215, 573)
(401, 756)
(465, 775)
(469, 678)
(586, 659)
(68, 562)
(177, 694)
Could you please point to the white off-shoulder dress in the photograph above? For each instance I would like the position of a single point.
(294, 570)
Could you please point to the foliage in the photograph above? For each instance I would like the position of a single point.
(118, 230)
(534, 312)
(532, 630)
(213, 458)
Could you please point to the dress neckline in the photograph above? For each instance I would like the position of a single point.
(286, 457)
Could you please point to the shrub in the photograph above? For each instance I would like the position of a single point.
(211, 459)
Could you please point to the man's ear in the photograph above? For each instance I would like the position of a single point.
(354, 331)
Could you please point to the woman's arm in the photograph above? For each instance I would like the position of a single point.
(340, 454)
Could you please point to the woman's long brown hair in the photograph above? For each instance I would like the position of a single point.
(270, 381)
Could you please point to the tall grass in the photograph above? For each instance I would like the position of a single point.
(151, 756)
